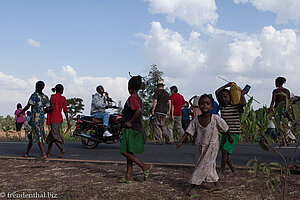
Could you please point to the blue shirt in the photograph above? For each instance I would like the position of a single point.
(215, 108)
(185, 113)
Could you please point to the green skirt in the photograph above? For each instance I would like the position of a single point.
(132, 141)
(225, 144)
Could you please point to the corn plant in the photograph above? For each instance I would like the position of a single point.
(285, 114)
(252, 122)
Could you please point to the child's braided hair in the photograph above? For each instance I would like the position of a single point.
(206, 96)
(135, 82)
(58, 88)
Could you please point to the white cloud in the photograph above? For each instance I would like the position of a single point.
(243, 55)
(15, 90)
(193, 12)
(285, 9)
(33, 43)
(171, 51)
(193, 64)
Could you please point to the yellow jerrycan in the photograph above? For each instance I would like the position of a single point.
(235, 94)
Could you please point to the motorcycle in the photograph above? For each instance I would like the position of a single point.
(91, 129)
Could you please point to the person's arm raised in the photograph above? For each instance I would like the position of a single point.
(222, 88)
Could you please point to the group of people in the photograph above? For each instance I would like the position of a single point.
(35, 120)
(206, 125)
(171, 111)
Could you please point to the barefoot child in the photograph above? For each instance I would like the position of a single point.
(55, 119)
(39, 103)
(230, 113)
(206, 126)
(132, 139)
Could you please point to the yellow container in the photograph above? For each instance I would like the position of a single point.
(235, 94)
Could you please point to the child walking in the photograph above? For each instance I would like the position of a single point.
(186, 113)
(19, 121)
(132, 139)
(230, 113)
(55, 119)
(27, 125)
(206, 126)
(39, 104)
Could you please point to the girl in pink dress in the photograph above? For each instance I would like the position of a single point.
(19, 121)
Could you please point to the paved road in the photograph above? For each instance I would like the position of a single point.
(153, 153)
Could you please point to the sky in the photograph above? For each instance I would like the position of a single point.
(82, 44)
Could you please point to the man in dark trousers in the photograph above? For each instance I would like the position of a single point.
(161, 110)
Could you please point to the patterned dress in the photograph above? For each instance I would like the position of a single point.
(207, 142)
(38, 102)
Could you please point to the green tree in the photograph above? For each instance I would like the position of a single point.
(75, 106)
(148, 88)
(146, 93)
(7, 125)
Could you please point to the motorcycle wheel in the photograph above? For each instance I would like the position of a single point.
(89, 144)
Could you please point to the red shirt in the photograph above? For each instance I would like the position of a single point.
(60, 103)
(177, 101)
(134, 104)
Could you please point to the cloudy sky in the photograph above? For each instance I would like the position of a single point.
(82, 44)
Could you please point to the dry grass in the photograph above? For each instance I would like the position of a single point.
(100, 181)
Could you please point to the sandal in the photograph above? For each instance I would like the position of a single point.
(124, 180)
(147, 172)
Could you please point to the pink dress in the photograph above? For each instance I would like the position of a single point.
(207, 147)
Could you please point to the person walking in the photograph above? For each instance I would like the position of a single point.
(19, 121)
(39, 103)
(207, 127)
(161, 110)
(186, 113)
(231, 114)
(132, 139)
(55, 119)
(177, 101)
(277, 98)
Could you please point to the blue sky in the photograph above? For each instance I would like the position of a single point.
(85, 43)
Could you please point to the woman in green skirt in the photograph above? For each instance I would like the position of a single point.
(132, 139)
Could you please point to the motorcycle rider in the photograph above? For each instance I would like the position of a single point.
(99, 104)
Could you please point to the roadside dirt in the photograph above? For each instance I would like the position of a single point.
(100, 181)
